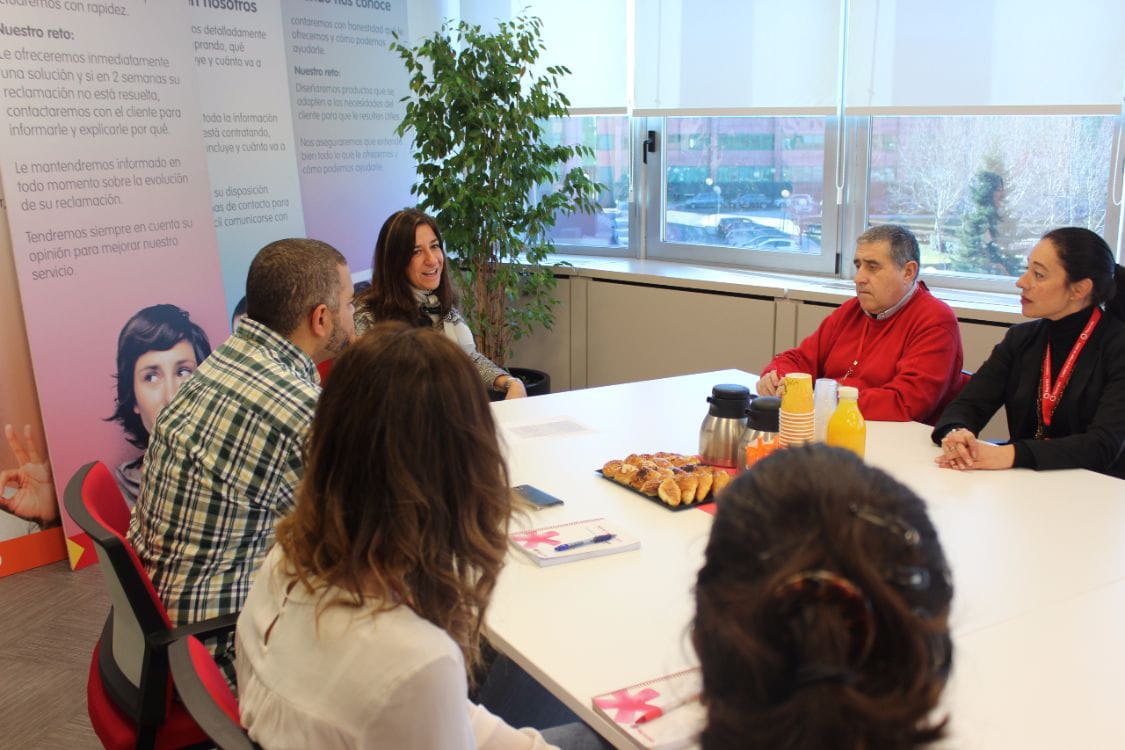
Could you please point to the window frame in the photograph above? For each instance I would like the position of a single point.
(633, 247)
(656, 247)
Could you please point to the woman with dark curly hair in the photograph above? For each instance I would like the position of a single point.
(364, 622)
(157, 350)
(821, 610)
(409, 282)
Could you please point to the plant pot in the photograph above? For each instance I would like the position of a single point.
(536, 382)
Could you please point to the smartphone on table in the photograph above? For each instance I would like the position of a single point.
(535, 497)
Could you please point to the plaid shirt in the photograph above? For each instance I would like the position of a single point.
(222, 465)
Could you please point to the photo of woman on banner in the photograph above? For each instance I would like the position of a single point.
(158, 349)
(26, 491)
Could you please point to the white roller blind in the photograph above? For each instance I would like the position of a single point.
(985, 56)
(587, 36)
(736, 56)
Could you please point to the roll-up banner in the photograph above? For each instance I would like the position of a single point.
(346, 86)
(30, 531)
(104, 170)
(147, 151)
(240, 73)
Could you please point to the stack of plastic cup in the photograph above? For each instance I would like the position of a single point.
(796, 426)
(824, 404)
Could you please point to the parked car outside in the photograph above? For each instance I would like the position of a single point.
(728, 224)
(798, 202)
(753, 200)
(755, 238)
(778, 244)
(705, 201)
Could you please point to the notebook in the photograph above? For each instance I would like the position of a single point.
(670, 704)
(540, 544)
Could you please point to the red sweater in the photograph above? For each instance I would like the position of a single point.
(910, 364)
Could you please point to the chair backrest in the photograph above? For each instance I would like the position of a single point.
(102, 498)
(94, 501)
(206, 695)
(322, 369)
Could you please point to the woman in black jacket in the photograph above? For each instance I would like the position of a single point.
(1061, 377)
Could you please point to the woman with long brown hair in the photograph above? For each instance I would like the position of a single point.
(821, 610)
(364, 621)
(410, 282)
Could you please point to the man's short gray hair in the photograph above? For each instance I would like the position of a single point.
(904, 245)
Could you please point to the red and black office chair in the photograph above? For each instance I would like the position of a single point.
(323, 369)
(206, 695)
(129, 689)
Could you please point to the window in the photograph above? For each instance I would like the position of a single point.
(776, 156)
(980, 190)
(750, 196)
(610, 139)
(586, 37)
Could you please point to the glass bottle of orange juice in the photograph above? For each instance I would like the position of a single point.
(846, 428)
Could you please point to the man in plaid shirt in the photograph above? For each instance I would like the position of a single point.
(226, 455)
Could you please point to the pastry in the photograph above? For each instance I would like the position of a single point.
(688, 483)
(677, 479)
(669, 492)
(625, 473)
(705, 481)
(721, 480)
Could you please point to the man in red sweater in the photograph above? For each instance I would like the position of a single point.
(895, 341)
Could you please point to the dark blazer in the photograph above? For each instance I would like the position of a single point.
(1088, 427)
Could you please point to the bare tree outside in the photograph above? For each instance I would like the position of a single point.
(981, 190)
(929, 174)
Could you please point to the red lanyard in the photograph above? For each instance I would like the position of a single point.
(1050, 396)
(859, 351)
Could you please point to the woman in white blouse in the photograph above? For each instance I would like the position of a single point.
(364, 622)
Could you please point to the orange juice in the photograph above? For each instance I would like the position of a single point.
(846, 428)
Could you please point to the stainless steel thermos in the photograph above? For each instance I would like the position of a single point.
(724, 424)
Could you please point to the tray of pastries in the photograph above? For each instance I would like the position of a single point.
(674, 480)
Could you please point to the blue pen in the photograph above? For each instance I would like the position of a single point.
(592, 540)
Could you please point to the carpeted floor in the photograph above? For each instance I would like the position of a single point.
(50, 618)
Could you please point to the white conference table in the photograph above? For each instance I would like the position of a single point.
(1038, 562)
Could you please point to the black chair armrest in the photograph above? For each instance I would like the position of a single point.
(200, 629)
(200, 704)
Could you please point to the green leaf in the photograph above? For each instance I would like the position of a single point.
(475, 114)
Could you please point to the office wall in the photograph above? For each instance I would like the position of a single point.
(550, 350)
(640, 332)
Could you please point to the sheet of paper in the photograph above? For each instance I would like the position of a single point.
(555, 427)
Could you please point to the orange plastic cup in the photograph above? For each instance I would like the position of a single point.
(798, 396)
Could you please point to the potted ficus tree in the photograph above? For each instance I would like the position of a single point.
(476, 112)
